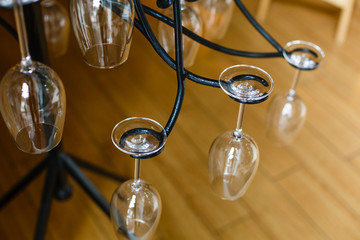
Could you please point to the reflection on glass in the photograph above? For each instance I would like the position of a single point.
(233, 161)
(216, 16)
(136, 206)
(286, 116)
(57, 27)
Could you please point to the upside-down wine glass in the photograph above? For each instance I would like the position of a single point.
(135, 206)
(32, 98)
(286, 113)
(57, 27)
(234, 155)
(103, 29)
(215, 15)
(190, 20)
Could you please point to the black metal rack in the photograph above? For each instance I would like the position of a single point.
(58, 164)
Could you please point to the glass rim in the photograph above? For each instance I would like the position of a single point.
(142, 153)
(265, 95)
(110, 66)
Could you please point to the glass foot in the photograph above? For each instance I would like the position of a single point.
(139, 137)
(303, 55)
(246, 84)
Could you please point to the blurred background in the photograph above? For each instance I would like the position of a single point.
(309, 189)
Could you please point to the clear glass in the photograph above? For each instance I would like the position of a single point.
(166, 35)
(287, 112)
(234, 155)
(135, 206)
(57, 27)
(286, 116)
(233, 162)
(103, 30)
(216, 16)
(32, 99)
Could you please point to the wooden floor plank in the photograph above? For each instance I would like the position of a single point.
(321, 206)
(355, 161)
(342, 137)
(277, 215)
(329, 169)
(246, 229)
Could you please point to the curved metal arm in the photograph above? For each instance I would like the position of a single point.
(257, 26)
(208, 43)
(179, 68)
(143, 26)
(215, 46)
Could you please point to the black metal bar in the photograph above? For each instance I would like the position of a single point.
(88, 166)
(24, 182)
(143, 26)
(202, 80)
(257, 26)
(86, 184)
(8, 28)
(36, 33)
(208, 43)
(46, 199)
(179, 68)
(63, 189)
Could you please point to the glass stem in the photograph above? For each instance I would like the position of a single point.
(294, 83)
(137, 170)
(240, 119)
(21, 29)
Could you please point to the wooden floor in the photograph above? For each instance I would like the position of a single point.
(307, 190)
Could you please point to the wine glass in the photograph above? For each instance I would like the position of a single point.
(57, 27)
(32, 99)
(135, 206)
(286, 113)
(216, 16)
(189, 20)
(103, 30)
(234, 155)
